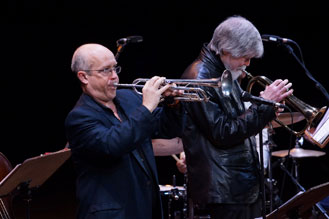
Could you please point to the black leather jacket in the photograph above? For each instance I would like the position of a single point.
(219, 141)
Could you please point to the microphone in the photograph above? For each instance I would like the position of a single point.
(245, 96)
(130, 39)
(276, 39)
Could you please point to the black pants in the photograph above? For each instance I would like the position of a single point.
(236, 211)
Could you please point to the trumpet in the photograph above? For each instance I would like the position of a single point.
(312, 114)
(191, 87)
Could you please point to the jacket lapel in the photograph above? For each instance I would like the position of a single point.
(127, 109)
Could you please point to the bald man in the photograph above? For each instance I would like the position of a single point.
(109, 132)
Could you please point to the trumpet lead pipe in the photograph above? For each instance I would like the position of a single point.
(129, 85)
(202, 82)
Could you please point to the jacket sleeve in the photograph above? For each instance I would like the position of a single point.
(88, 134)
(170, 121)
(221, 129)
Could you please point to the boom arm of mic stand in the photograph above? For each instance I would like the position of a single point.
(119, 50)
(317, 84)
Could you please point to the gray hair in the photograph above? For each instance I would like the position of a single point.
(239, 37)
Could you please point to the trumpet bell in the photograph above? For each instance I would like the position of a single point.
(312, 114)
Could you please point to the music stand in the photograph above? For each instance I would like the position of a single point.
(32, 173)
(299, 205)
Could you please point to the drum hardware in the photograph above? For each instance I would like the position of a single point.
(270, 182)
(301, 188)
(167, 189)
(287, 119)
(175, 190)
(185, 207)
(262, 177)
(272, 196)
(176, 200)
(273, 199)
(296, 153)
(267, 185)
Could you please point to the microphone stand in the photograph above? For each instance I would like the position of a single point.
(301, 188)
(317, 84)
(185, 207)
(120, 47)
(271, 144)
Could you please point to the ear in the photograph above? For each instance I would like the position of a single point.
(225, 53)
(83, 77)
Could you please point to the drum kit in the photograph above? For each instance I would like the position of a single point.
(295, 154)
(174, 202)
(297, 151)
(174, 198)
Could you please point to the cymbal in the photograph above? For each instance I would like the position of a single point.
(298, 153)
(285, 118)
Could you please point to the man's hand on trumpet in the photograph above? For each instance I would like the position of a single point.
(154, 89)
(277, 91)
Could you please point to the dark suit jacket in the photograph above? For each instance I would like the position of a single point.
(113, 180)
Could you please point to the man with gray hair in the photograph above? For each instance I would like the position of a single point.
(222, 162)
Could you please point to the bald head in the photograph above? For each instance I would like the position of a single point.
(85, 56)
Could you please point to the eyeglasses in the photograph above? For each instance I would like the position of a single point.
(107, 71)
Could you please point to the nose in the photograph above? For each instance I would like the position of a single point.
(113, 75)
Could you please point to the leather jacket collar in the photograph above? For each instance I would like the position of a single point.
(214, 66)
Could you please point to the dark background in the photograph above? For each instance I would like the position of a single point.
(38, 89)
